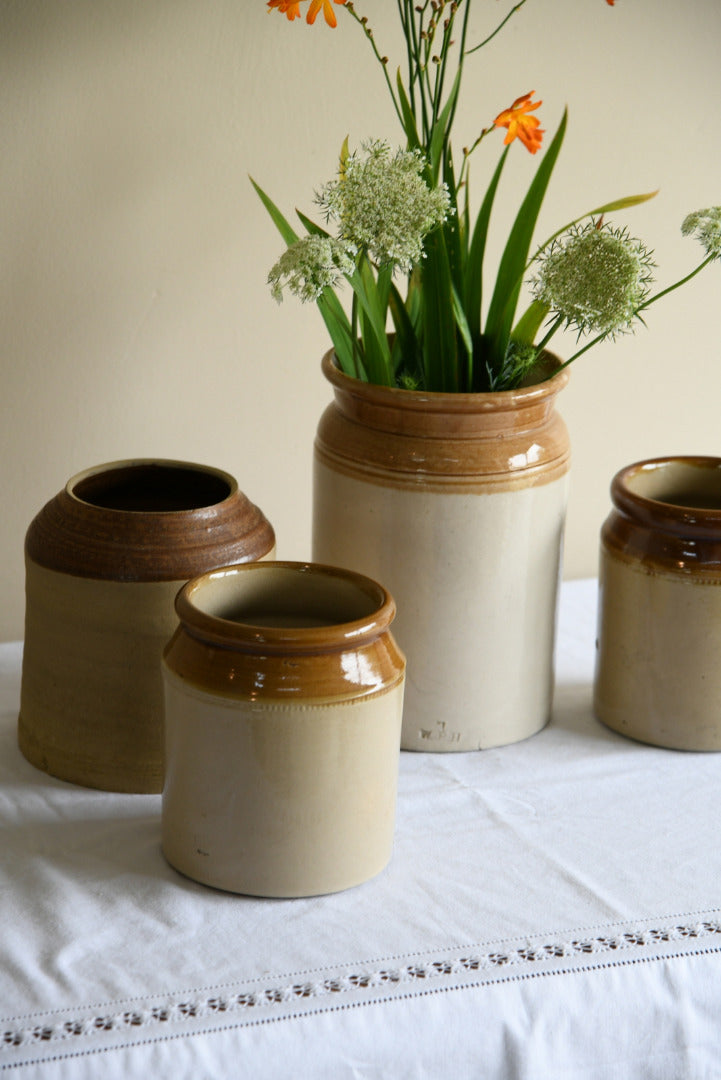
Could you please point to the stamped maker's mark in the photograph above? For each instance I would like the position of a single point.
(441, 733)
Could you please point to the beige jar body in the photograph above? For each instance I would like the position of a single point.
(658, 676)
(283, 702)
(456, 502)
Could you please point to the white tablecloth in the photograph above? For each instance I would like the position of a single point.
(551, 911)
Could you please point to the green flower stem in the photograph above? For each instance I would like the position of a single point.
(354, 335)
(461, 57)
(408, 33)
(369, 37)
(467, 153)
(555, 325)
(676, 284)
(416, 65)
(500, 26)
(443, 65)
(440, 74)
(580, 352)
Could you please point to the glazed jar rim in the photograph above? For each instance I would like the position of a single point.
(684, 520)
(442, 401)
(250, 637)
(171, 464)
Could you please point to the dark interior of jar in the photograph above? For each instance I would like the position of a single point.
(693, 501)
(679, 483)
(152, 488)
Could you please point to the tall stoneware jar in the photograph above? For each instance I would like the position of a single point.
(456, 502)
(284, 692)
(104, 560)
(658, 665)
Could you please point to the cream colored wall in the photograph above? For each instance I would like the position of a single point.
(134, 315)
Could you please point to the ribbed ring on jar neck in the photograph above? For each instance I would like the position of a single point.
(147, 520)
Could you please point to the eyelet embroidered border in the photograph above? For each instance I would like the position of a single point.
(218, 1003)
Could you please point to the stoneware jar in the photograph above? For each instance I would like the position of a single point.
(104, 560)
(284, 690)
(456, 502)
(658, 668)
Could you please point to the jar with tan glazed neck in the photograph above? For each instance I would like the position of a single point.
(455, 502)
(658, 667)
(104, 560)
(283, 700)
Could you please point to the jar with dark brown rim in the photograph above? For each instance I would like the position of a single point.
(658, 676)
(283, 701)
(104, 560)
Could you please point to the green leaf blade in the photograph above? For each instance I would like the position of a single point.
(476, 254)
(514, 260)
(440, 354)
(283, 226)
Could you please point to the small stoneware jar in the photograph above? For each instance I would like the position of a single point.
(658, 667)
(104, 561)
(283, 701)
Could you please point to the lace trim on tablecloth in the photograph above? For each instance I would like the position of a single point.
(258, 1003)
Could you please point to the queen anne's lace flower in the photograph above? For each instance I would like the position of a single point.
(309, 266)
(596, 278)
(383, 205)
(706, 224)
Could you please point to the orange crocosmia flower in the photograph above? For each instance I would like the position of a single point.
(520, 125)
(316, 5)
(290, 8)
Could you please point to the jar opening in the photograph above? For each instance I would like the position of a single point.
(152, 488)
(283, 599)
(285, 607)
(685, 484)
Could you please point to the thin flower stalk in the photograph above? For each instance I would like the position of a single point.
(502, 23)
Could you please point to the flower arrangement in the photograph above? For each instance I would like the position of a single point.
(406, 213)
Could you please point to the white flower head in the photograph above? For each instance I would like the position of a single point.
(596, 278)
(706, 224)
(309, 266)
(382, 203)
